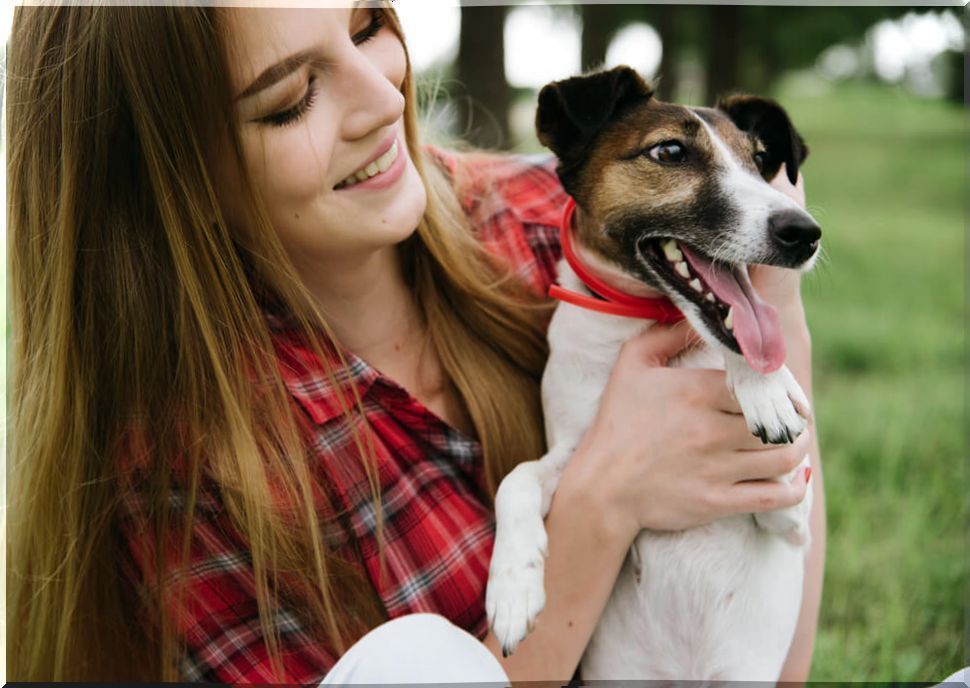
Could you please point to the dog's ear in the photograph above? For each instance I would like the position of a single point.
(768, 120)
(572, 112)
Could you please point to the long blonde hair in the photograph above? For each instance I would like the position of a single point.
(137, 323)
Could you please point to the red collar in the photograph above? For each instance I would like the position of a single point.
(613, 301)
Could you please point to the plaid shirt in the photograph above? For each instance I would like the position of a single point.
(438, 531)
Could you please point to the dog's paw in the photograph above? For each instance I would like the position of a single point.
(789, 523)
(774, 405)
(516, 592)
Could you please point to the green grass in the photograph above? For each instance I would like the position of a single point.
(886, 178)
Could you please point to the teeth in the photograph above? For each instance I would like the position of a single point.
(696, 285)
(681, 269)
(710, 297)
(729, 319)
(671, 251)
(373, 169)
(385, 160)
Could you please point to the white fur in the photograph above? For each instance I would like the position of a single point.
(718, 602)
(713, 603)
(754, 200)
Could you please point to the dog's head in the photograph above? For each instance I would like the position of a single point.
(678, 198)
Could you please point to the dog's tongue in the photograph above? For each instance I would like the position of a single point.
(757, 327)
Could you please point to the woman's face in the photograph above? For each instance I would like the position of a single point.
(320, 109)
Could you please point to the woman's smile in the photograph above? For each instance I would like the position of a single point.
(380, 171)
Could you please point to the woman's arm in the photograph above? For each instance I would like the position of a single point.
(585, 555)
(782, 288)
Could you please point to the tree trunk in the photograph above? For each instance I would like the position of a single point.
(723, 51)
(665, 24)
(598, 27)
(484, 111)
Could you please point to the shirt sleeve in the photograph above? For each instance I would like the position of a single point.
(218, 617)
(514, 204)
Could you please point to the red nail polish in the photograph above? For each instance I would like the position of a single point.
(808, 473)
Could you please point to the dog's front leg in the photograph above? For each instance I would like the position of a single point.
(776, 410)
(516, 590)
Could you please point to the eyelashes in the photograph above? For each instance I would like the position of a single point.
(377, 21)
(294, 114)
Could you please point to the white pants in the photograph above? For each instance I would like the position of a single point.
(417, 649)
(962, 677)
(421, 649)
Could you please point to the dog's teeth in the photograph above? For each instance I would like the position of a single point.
(681, 269)
(729, 319)
(671, 251)
(710, 297)
(696, 285)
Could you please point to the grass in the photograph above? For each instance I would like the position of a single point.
(886, 178)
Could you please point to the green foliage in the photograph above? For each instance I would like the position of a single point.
(886, 179)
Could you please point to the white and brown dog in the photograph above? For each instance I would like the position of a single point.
(676, 199)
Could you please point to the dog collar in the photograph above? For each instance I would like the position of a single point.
(611, 301)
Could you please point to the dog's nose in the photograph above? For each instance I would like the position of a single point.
(794, 231)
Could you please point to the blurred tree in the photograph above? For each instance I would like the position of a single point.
(665, 22)
(725, 42)
(600, 23)
(740, 47)
(484, 107)
(785, 38)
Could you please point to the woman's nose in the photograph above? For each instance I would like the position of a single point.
(371, 89)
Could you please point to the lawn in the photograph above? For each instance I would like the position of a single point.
(886, 179)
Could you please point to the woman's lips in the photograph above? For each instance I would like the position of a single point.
(380, 165)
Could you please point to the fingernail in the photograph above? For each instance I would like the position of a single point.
(808, 473)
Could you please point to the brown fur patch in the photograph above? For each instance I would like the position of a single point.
(619, 178)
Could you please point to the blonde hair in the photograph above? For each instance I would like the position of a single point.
(138, 329)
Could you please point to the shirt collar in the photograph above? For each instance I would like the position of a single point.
(323, 396)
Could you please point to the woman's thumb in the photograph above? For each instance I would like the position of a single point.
(660, 343)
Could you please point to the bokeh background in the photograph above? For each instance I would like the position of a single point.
(877, 92)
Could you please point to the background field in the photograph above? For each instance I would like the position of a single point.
(886, 179)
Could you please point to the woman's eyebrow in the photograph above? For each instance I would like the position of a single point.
(276, 72)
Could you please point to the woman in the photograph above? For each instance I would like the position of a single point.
(272, 357)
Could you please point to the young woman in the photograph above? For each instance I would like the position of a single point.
(272, 356)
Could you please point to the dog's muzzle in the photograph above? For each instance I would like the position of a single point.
(795, 235)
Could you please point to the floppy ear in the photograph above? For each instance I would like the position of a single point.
(572, 112)
(768, 120)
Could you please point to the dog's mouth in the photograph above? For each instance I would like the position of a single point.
(724, 299)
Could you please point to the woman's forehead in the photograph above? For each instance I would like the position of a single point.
(258, 37)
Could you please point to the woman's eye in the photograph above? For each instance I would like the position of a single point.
(668, 152)
(293, 114)
(376, 23)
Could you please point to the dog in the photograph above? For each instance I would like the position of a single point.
(676, 199)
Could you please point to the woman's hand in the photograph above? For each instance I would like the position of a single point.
(669, 448)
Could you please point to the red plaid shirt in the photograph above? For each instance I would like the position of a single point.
(438, 531)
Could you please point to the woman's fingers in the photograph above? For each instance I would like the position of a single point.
(757, 496)
(770, 461)
(657, 345)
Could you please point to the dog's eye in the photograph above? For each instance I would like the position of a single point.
(668, 151)
(760, 159)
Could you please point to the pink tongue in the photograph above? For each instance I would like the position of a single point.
(757, 328)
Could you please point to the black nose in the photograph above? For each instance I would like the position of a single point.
(794, 232)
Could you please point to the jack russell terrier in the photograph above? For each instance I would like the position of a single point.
(675, 198)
